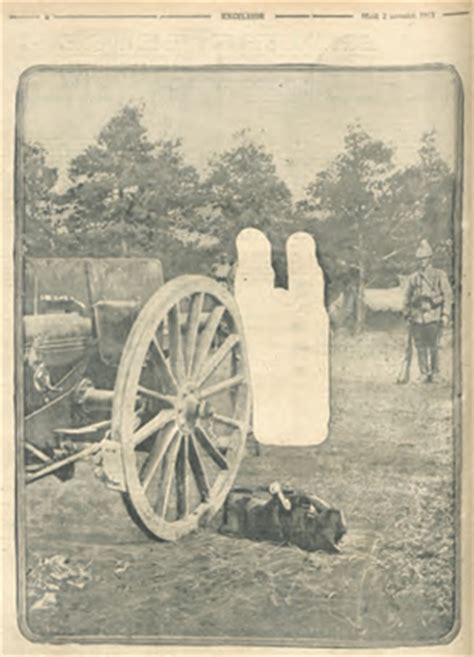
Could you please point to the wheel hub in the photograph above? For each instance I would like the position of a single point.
(188, 410)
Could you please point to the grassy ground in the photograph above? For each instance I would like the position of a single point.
(388, 464)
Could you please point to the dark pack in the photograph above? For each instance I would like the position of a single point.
(283, 515)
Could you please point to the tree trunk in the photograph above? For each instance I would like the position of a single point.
(360, 307)
(123, 224)
(347, 316)
(123, 241)
(360, 300)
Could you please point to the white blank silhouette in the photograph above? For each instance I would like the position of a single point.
(287, 334)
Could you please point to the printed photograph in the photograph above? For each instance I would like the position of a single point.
(152, 506)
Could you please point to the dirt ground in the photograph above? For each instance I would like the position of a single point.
(388, 464)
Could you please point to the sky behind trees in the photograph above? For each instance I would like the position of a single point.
(299, 116)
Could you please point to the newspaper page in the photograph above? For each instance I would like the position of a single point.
(236, 262)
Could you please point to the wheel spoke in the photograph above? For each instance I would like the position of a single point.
(212, 451)
(168, 475)
(207, 336)
(160, 420)
(182, 479)
(154, 394)
(225, 419)
(213, 363)
(192, 329)
(198, 469)
(221, 386)
(164, 362)
(176, 347)
(162, 441)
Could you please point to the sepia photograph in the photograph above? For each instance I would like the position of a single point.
(238, 372)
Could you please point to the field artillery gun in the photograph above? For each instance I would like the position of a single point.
(149, 378)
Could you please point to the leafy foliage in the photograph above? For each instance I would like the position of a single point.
(130, 195)
(369, 216)
(423, 196)
(127, 191)
(37, 182)
(346, 201)
(243, 189)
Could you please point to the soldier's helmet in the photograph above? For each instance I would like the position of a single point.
(424, 250)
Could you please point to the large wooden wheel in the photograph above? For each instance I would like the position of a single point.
(181, 406)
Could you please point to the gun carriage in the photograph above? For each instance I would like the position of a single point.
(148, 379)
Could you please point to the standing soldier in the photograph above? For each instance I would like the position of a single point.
(427, 306)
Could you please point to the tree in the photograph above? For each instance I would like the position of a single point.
(243, 189)
(127, 190)
(347, 201)
(37, 184)
(423, 196)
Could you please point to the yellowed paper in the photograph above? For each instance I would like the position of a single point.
(252, 114)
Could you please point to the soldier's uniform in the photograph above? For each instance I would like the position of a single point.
(427, 305)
